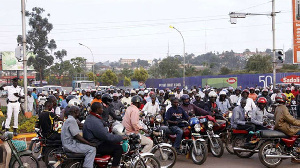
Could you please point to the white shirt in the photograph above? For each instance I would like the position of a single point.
(30, 99)
(11, 90)
(250, 105)
(150, 108)
(235, 99)
(126, 100)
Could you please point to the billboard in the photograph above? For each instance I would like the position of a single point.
(10, 62)
(296, 31)
(220, 82)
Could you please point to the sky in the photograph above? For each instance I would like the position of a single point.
(139, 29)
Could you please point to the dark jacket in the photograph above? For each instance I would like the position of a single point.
(109, 111)
(94, 131)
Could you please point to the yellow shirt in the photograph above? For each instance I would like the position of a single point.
(289, 96)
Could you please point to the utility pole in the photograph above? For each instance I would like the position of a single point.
(24, 53)
(233, 20)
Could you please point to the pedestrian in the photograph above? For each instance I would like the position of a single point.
(30, 101)
(35, 102)
(14, 92)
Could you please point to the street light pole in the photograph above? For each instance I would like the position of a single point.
(24, 53)
(93, 69)
(172, 27)
(274, 47)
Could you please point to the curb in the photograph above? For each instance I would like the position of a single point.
(28, 136)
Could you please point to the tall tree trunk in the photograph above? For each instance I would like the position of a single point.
(41, 79)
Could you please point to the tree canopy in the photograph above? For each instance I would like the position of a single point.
(109, 78)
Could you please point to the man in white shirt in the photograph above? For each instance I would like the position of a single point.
(14, 93)
(250, 105)
(152, 107)
(235, 97)
(127, 99)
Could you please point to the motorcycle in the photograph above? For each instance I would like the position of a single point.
(164, 152)
(20, 157)
(44, 148)
(192, 143)
(213, 140)
(277, 147)
(131, 158)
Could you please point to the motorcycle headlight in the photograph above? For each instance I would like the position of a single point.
(197, 127)
(210, 124)
(158, 118)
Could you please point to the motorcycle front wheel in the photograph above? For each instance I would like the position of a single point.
(147, 162)
(216, 147)
(228, 143)
(168, 156)
(35, 147)
(28, 161)
(199, 156)
(74, 164)
(269, 148)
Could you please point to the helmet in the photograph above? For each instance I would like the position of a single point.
(280, 98)
(136, 99)
(238, 89)
(252, 88)
(212, 94)
(127, 92)
(141, 93)
(222, 93)
(115, 95)
(106, 98)
(194, 121)
(98, 93)
(133, 91)
(246, 90)
(70, 97)
(161, 91)
(146, 91)
(262, 100)
(118, 129)
(171, 94)
(185, 97)
(265, 90)
(288, 88)
(74, 102)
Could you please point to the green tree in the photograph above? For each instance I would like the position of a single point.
(60, 54)
(78, 64)
(169, 67)
(109, 78)
(140, 74)
(127, 72)
(37, 40)
(52, 45)
(259, 64)
(91, 76)
(225, 71)
(127, 81)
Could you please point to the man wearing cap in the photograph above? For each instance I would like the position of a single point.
(127, 99)
(116, 103)
(14, 93)
(87, 98)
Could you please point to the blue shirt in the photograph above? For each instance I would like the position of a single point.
(174, 114)
(63, 104)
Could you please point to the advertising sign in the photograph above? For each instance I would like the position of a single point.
(220, 82)
(10, 62)
(296, 31)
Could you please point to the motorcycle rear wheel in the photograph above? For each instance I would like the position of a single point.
(269, 148)
(74, 164)
(239, 142)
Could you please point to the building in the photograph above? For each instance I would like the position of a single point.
(126, 61)
(89, 65)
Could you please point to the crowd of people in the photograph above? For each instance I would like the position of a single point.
(98, 107)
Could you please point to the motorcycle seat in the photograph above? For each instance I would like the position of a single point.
(54, 141)
(272, 134)
(236, 131)
(102, 158)
(75, 155)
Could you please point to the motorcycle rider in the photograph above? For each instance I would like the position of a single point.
(126, 100)
(116, 103)
(152, 107)
(223, 103)
(289, 95)
(160, 97)
(250, 105)
(73, 142)
(252, 94)
(108, 109)
(97, 98)
(265, 94)
(191, 108)
(238, 119)
(94, 131)
(198, 102)
(258, 115)
(173, 116)
(211, 105)
(236, 97)
(284, 121)
(131, 122)
(87, 98)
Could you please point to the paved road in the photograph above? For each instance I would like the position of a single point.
(226, 161)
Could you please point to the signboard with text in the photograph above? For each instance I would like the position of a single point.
(296, 31)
